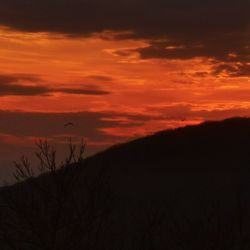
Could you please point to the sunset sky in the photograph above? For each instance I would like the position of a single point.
(118, 69)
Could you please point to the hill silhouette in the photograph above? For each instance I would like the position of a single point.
(186, 188)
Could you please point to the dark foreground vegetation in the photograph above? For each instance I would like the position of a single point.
(187, 188)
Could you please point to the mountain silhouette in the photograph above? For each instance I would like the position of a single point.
(186, 188)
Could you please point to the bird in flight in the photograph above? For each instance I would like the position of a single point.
(68, 124)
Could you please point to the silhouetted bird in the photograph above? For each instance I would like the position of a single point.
(68, 124)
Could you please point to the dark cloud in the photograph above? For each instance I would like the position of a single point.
(146, 19)
(6, 79)
(14, 89)
(180, 29)
(79, 91)
(101, 78)
(233, 47)
(233, 70)
(24, 90)
(9, 85)
(52, 124)
(201, 74)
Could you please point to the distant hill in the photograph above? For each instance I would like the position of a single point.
(186, 188)
(209, 139)
(211, 147)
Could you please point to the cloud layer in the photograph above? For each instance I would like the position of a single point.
(179, 29)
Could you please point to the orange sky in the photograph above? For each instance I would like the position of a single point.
(135, 84)
(132, 95)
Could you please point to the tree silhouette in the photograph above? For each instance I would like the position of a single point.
(54, 206)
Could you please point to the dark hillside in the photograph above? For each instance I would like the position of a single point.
(217, 150)
(226, 140)
(186, 188)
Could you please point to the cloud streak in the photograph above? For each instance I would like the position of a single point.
(13, 78)
(10, 86)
